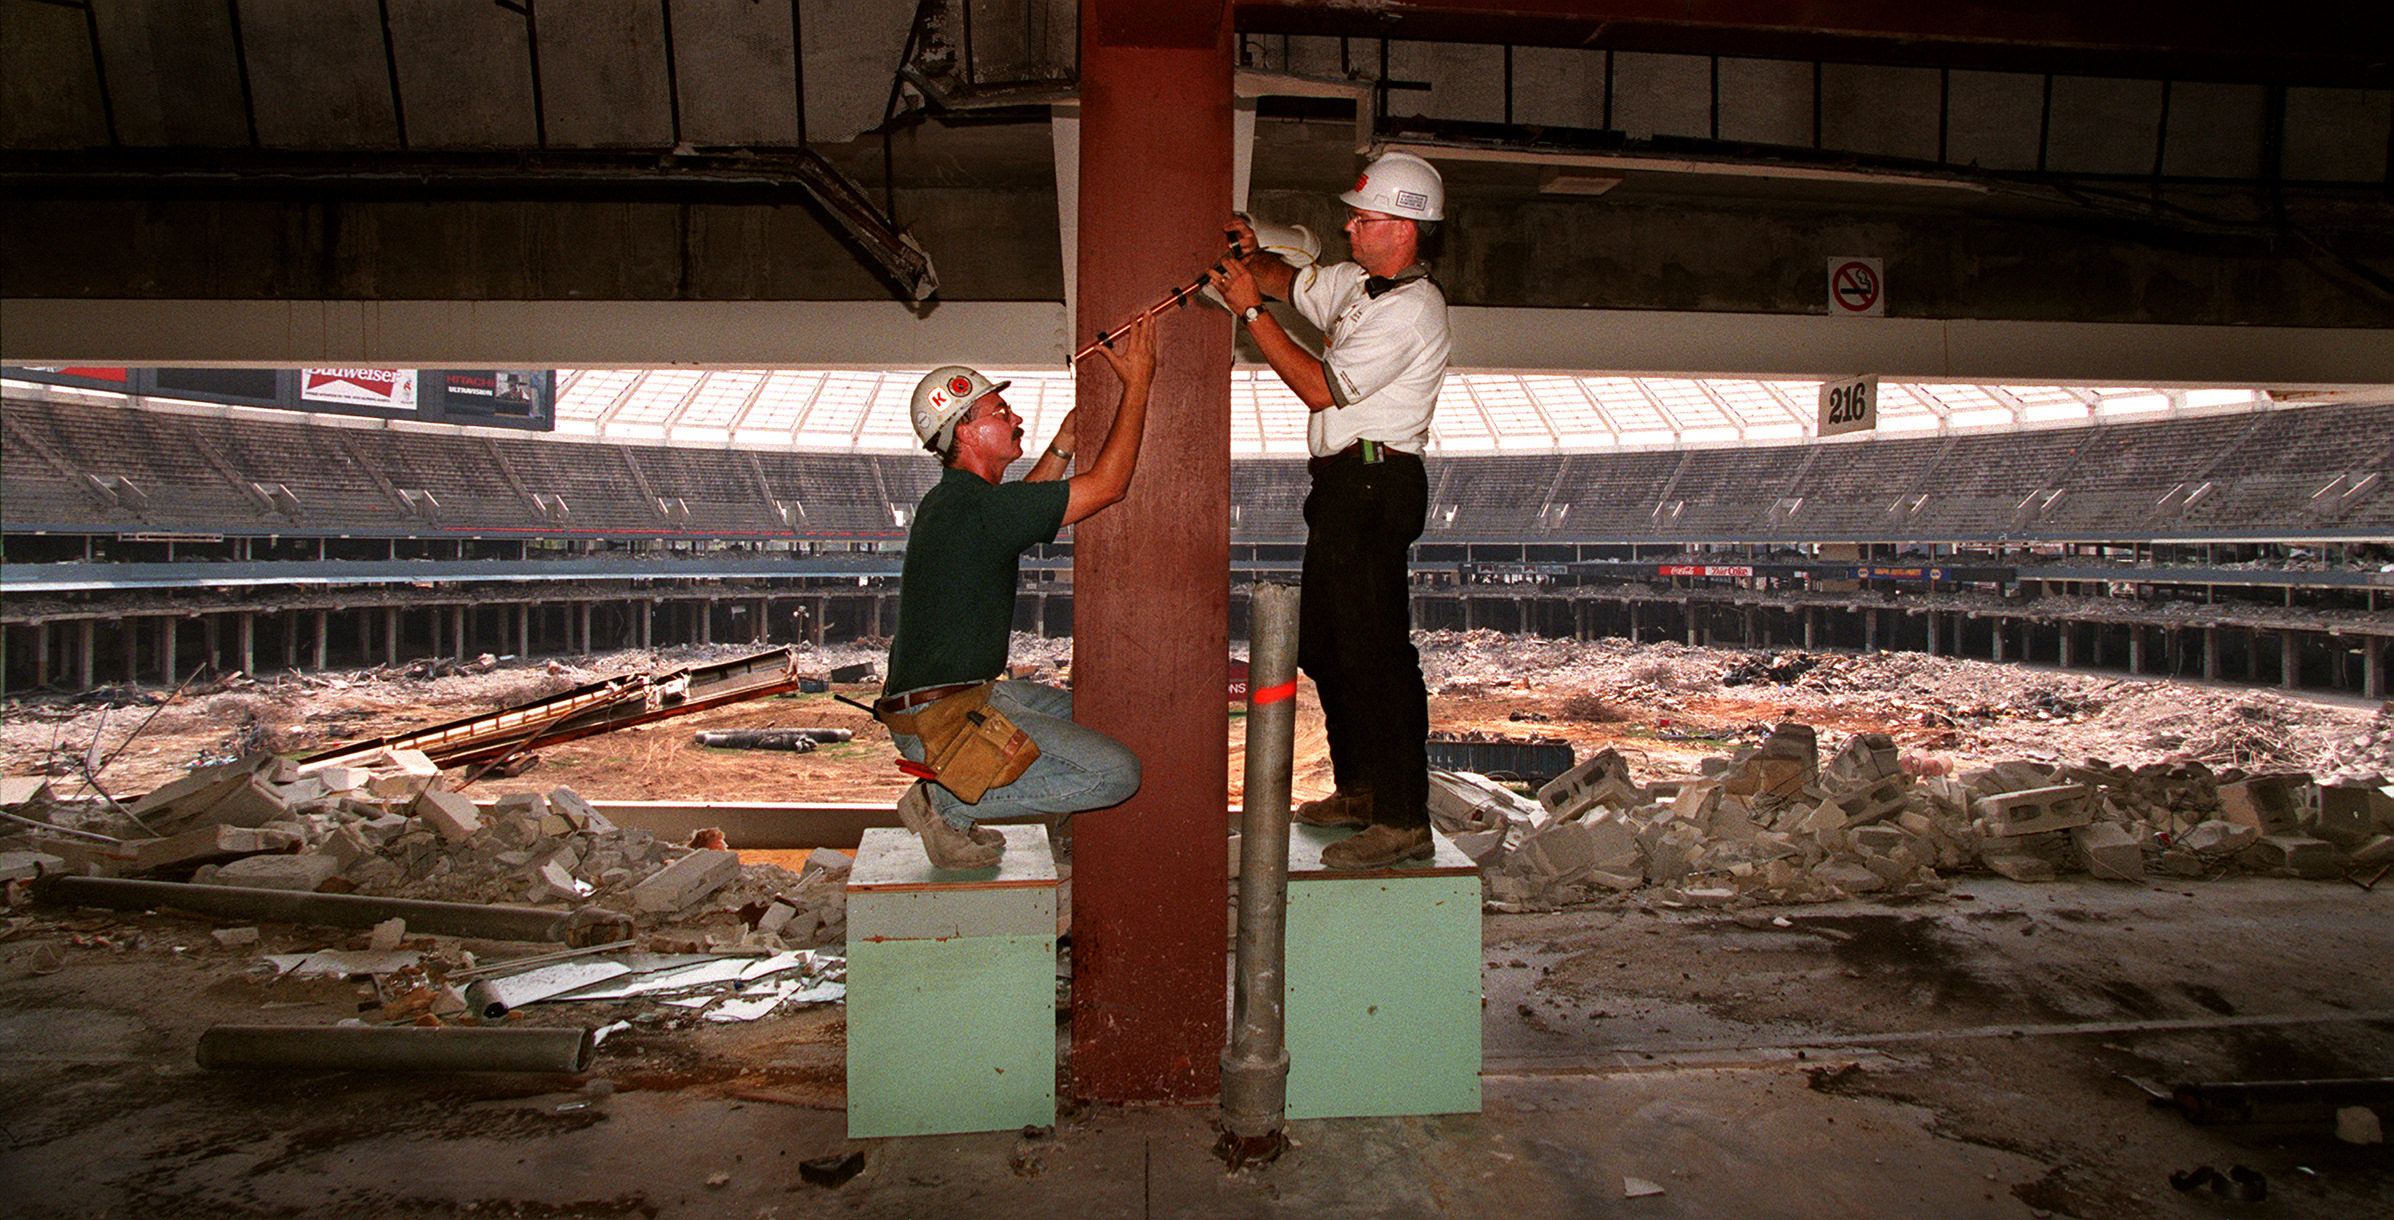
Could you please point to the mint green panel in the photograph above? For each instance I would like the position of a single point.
(954, 1035)
(1383, 997)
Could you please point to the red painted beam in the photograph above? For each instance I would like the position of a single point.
(1151, 574)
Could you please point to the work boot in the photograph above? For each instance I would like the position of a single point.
(1338, 811)
(943, 843)
(1379, 846)
(986, 836)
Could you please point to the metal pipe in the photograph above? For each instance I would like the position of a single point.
(587, 926)
(1255, 1064)
(799, 740)
(395, 1048)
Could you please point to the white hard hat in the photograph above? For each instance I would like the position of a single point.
(1399, 184)
(943, 396)
(1292, 244)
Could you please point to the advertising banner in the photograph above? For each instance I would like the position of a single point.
(389, 389)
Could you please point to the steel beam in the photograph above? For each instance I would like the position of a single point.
(1151, 656)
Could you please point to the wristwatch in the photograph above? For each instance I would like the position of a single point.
(1248, 314)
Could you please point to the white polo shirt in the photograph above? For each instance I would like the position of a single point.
(1386, 357)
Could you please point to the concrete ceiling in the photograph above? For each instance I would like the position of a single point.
(2130, 164)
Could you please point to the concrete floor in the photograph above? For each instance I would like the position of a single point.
(1960, 1058)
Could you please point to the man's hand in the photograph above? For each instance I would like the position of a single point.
(1268, 278)
(1136, 367)
(1241, 230)
(1236, 284)
(1105, 480)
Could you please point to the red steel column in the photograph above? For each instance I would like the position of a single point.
(1151, 575)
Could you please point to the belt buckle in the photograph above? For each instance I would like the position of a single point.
(1371, 452)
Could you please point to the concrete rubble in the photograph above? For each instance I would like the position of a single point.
(1774, 823)
(385, 829)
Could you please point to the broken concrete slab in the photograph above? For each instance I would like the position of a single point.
(2351, 814)
(1603, 779)
(2375, 852)
(2271, 804)
(2109, 851)
(2011, 775)
(27, 865)
(203, 844)
(204, 786)
(2300, 855)
(2026, 811)
(20, 791)
(2019, 866)
(1778, 770)
(554, 880)
(387, 935)
(453, 816)
(304, 873)
(686, 880)
(578, 813)
(2215, 837)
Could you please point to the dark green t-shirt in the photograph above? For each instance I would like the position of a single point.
(956, 591)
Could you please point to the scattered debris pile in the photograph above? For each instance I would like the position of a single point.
(383, 828)
(1772, 823)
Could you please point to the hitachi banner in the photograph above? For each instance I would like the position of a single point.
(391, 389)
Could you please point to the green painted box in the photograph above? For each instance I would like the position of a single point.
(951, 989)
(1383, 1001)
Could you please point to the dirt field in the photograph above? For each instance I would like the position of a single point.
(1664, 707)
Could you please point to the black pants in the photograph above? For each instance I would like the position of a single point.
(1354, 629)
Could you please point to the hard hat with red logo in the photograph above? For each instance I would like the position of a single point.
(1399, 184)
(942, 397)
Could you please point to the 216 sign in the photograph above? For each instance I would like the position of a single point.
(1849, 406)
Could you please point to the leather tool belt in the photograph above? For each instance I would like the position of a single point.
(969, 746)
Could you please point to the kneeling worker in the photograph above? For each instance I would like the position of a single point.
(998, 748)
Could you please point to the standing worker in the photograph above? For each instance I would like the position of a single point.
(1370, 395)
(997, 748)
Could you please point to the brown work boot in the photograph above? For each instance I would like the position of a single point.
(1339, 810)
(986, 836)
(943, 843)
(1379, 846)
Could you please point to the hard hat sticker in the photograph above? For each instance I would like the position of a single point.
(959, 385)
(1412, 199)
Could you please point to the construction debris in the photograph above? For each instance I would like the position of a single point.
(1771, 824)
(375, 832)
(613, 703)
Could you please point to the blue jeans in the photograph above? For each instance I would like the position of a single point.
(1077, 768)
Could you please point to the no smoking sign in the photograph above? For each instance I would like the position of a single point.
(1857, 288)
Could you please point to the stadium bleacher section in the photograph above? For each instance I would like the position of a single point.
(2291, 472)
